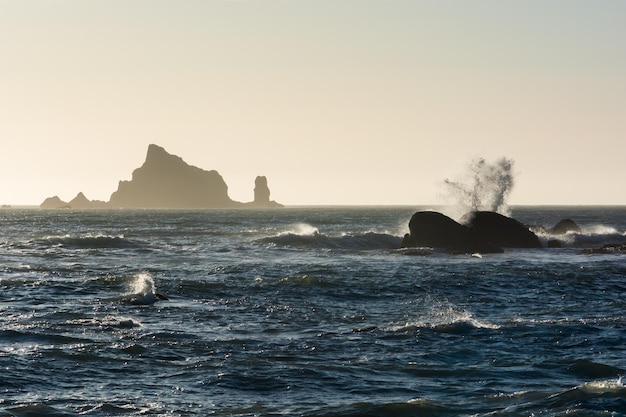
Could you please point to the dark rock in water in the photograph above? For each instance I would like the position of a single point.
(500, 230)
(564, 226)
(481, 231)
(433, 229)
(609, 248)
(166, 181)
(553, 243)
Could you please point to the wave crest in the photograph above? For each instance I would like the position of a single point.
(142, 290)
(446, 319)
(89, 241)
(312, 238)
(590, 235)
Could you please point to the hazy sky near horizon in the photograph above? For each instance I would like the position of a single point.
(336, 102)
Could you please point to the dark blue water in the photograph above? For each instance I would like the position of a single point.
(304, 311)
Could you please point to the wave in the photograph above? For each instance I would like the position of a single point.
(89, 241)
(38, 409)
(106, 322)
(412, 407)
(592, 398)
(589, 236)
(306, 236)
(587, 368)
(35, 339)
(142, 291)
(446, 319)
(599, 395)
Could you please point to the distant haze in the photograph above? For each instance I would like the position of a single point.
(335, 102)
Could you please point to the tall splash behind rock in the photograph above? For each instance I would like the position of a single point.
(484, 186)
(166, 181)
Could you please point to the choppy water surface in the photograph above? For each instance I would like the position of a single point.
(304, 311)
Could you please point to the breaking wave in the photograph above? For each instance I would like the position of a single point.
(446, 319)
(589, 236)
(89, 241)
(306, 236)
(142, 290)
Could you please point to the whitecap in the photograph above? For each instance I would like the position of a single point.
(446, 319)
(142, 291)
(301, 229)
(604, 386)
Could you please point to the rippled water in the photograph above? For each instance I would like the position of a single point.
(304, 311)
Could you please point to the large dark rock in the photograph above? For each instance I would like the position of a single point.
(482, 231)
(500, 230)
(433, 229)
(166, 181)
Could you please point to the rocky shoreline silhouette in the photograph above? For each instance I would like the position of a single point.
(167, 181)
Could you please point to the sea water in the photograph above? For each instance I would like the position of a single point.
(304, 311)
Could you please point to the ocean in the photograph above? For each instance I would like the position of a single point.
(304, 311)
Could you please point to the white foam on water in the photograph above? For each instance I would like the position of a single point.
(301, 229)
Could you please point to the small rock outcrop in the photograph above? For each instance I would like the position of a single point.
(564, 226)
(607, 249)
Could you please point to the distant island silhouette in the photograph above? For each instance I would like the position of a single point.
(166, 181)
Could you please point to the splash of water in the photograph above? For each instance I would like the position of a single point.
(142, 290)
(302, 229)
(142, 284)
(484, 186)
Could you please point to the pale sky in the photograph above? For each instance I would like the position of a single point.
(335, 101)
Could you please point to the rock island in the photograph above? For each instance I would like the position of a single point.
(166, 181)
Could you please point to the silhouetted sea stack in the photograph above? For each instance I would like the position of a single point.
(485, 232)
(166, 181)
(261, 191)
(262, 195)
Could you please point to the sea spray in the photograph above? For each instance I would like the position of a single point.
(142, 290)
(484, 186)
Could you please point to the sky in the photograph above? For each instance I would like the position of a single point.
(347, 102)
